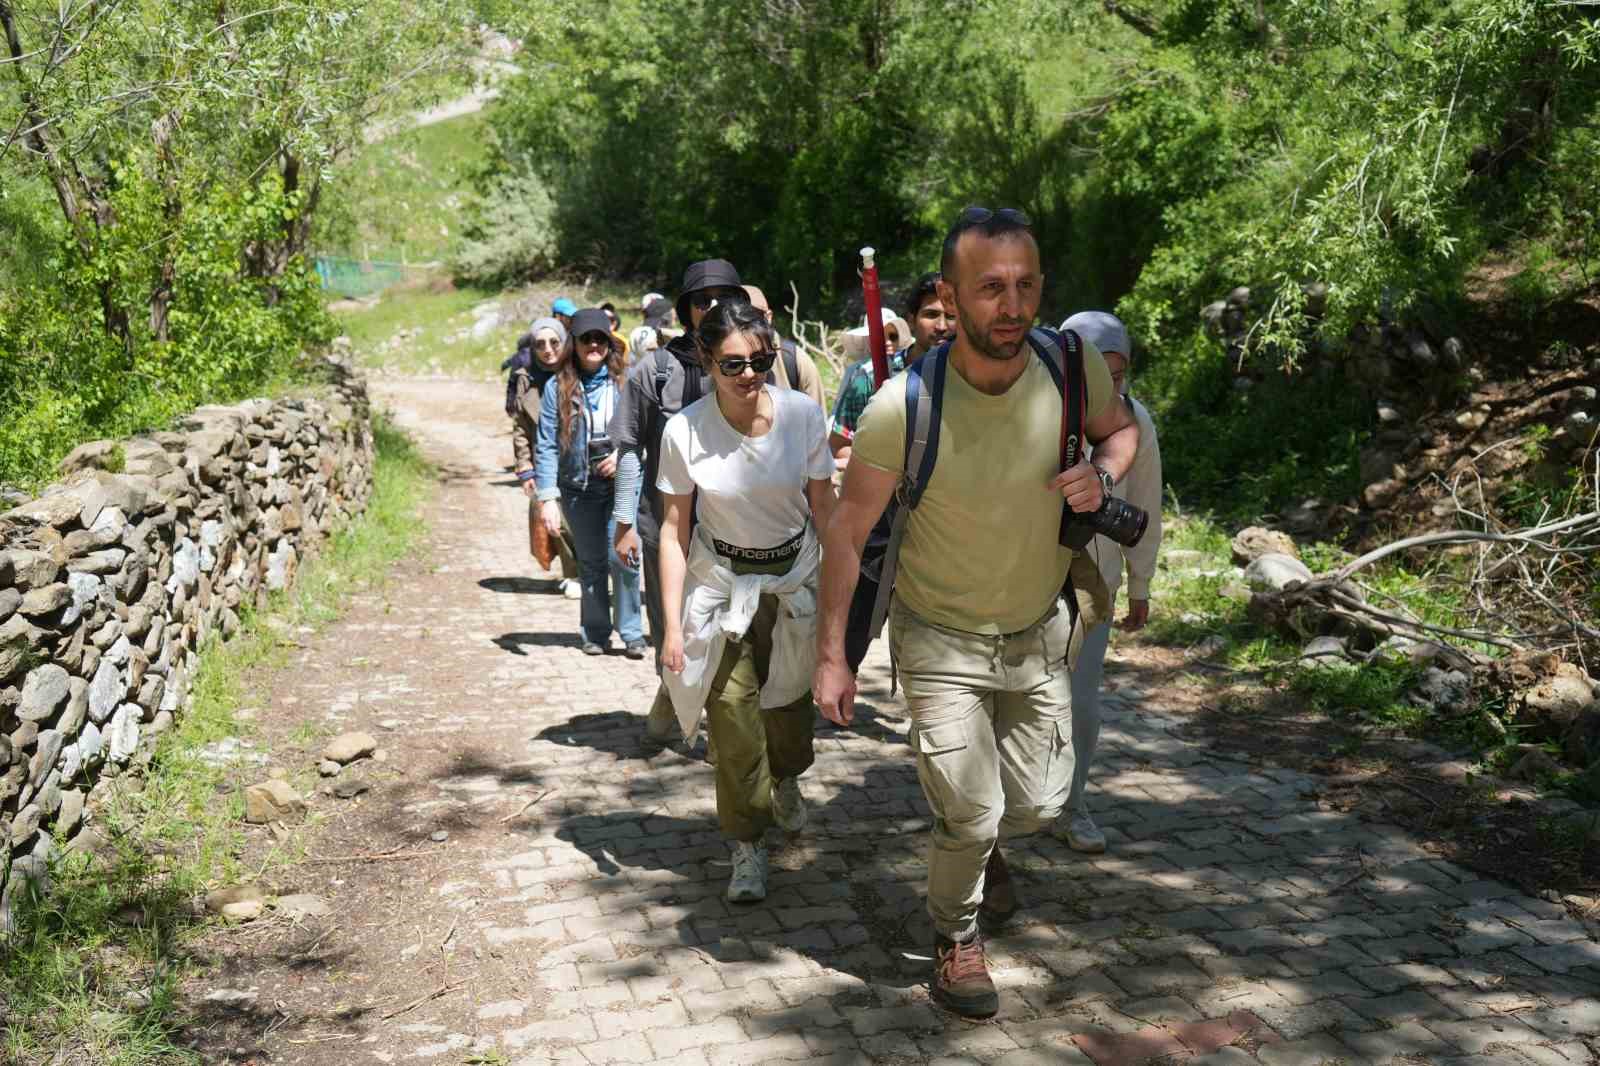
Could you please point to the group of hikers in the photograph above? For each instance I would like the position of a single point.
(997, 484)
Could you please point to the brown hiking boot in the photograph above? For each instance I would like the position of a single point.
(961, 979)
(999, 896)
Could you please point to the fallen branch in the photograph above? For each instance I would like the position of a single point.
(1394, 621)
(375, 856)
(1529, 537)
(516, 813)
(441, 991)
(1417, 792)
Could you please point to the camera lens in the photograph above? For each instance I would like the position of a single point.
(1116, 519)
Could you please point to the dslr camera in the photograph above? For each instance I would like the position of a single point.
(1117, 519)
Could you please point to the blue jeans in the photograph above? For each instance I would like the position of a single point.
(589, 514)
(1086, 708)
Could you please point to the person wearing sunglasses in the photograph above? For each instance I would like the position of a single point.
(575, 469)
(548, 350)
(656, 389)
(978, 631)
(750, 463)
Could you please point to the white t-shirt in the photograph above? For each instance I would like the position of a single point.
(751, 489)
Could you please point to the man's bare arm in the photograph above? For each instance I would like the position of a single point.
(866, 493)
(1115, 436)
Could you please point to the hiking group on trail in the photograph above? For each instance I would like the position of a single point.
(983, 502)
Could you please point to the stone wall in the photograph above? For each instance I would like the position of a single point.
(114, 576)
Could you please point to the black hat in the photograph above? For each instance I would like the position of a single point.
(589, 320)
(706, 274)
(657, 314)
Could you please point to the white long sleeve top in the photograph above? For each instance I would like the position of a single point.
(1141, 486)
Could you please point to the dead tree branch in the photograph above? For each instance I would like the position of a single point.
(1138, 20)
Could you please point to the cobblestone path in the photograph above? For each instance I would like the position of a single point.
(1232, 921)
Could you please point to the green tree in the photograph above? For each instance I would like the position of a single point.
(165, 170)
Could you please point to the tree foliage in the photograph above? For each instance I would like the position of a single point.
(782, 135)
(162, 168)
(1374, 147)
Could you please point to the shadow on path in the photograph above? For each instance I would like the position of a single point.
(515, 643)
(519, 586)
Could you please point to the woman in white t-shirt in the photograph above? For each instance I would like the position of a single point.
(746, 480)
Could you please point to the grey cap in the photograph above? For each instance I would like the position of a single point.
(1102, 329)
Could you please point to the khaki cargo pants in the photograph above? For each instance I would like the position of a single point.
(991, 725)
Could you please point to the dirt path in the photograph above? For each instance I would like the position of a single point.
(521, 886)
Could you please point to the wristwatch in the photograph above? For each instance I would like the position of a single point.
(1107, 482)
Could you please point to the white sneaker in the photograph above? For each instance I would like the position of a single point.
(749, 880)
(571, 589)
(788, 805)
(1084, 835)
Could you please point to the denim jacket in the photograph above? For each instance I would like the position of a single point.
(556, 468)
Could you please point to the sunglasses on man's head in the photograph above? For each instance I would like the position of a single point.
(760, 363)
(977, 216)
(705, 298)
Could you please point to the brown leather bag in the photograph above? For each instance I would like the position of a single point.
(539, 544)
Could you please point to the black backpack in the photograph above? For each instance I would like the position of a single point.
(1062, 355)
(520, 362)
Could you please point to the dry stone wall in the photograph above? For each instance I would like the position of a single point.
(112, 578)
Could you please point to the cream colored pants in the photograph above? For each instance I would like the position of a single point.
(991, 723)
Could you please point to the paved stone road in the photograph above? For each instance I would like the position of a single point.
(1232, 921)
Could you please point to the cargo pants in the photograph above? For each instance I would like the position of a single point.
(991, 726)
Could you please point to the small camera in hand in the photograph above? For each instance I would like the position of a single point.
(599, 450)
(1117, 519)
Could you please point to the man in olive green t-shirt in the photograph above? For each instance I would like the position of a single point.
(976, 631)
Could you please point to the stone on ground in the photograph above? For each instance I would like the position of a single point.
(239, 903)
(1274, 571)
(1253, 542)
(348, 747)
(272, 800)
(302, 905)
(350, 787)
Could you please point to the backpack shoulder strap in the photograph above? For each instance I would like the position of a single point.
(791, 363)
(663, 369)
(924, 395)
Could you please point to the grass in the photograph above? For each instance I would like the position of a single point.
(404, 197)
(1192, 605)
(94, 967)
(438, 322)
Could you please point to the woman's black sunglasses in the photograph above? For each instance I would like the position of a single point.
(759, 363)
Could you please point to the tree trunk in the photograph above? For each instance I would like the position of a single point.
(172, 211)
